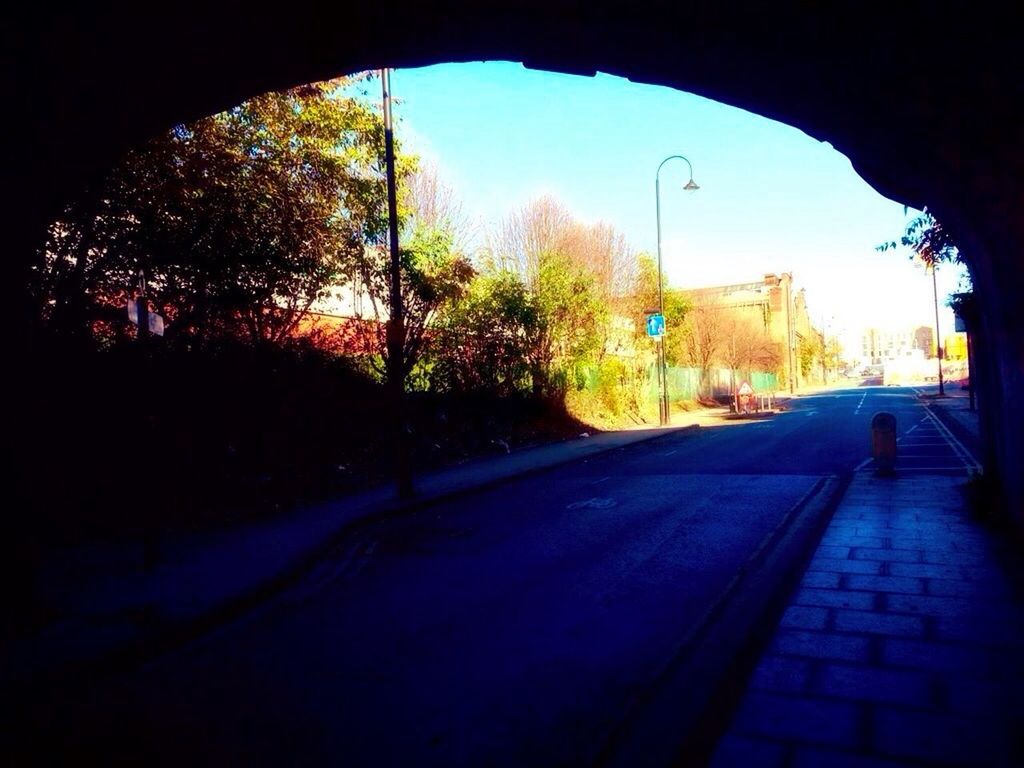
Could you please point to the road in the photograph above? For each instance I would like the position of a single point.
(515, 626)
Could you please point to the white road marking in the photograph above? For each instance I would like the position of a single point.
(965, 455)
(594, 503)
(932, 433)
(956, 468)
(857, 410)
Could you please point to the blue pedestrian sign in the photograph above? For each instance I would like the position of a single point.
(656, 325)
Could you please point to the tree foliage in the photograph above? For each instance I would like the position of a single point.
(832, 354)
(927, 239)
(746, 346)
(571, 271)
(428, 202)
(484, 341)
(433, 275)
(808, 349)
(435, 272)
(571, 317)
(703, 337)
(644, 299)
(932, 243)
(240, 221)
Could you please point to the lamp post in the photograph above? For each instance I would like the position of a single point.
(930, 265)
(789, 333)
(938, 339)
(691, 186)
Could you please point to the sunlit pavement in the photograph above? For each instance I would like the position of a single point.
(514, 626)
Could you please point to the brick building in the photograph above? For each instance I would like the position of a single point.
(782, 311)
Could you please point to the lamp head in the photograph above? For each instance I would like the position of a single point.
(691, 186)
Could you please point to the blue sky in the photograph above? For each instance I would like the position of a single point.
(772, 198)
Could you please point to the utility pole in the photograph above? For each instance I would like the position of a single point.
(396, 315)
(938, 339)
(789, 332)
(824, 352)
(970, 370)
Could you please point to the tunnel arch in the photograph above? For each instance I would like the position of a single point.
(920, 126)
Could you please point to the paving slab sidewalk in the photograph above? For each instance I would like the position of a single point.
(108, 601)
(903, 644)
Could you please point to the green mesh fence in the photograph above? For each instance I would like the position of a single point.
(764, 382)
(683, 382)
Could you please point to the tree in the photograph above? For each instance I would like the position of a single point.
(434, 270)
(570, 319)
(604, 254)
(433, 276)
(541, 244)
(240, 221)
(525, 236)
(832, 354)
(808, 349)
(746, 346)
(430, 203)
(644, 299)
(484, 341)
(927, 239)
(703, 337)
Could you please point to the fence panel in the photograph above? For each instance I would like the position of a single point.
(684, 382)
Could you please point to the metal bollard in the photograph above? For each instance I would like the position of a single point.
(883, 442)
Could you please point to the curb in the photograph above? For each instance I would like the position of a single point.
(417, 503)
(680, 719)
(752, 416)
(160, 637)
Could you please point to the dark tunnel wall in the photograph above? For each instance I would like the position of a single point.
(925, 99)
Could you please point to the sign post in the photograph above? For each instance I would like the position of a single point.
(656, 330)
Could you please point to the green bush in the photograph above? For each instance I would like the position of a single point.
(612, 386)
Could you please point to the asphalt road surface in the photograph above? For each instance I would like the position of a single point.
(514, 626)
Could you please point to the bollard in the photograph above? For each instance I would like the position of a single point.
(883, 442)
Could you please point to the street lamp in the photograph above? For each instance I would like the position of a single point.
(938, 338)
(931, 265)
(690, 186)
